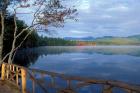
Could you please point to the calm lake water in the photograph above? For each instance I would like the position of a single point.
(103, 62)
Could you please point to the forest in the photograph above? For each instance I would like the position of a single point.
(33, 40)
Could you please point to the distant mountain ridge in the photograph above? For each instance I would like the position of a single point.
(90, 38)
(80, 38)
(110, 40)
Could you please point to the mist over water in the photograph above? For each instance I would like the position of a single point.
(102, 62)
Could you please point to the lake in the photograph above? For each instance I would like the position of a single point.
(103, 62)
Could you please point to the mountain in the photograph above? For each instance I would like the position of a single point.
(80, 39)
(134, 37)
(110, 40)
(130, 40)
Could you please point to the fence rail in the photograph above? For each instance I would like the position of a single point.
(20, 77)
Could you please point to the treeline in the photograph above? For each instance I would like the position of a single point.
(9, 34)
(33, 40)
(45, 41)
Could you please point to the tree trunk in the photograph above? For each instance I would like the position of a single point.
(1, 35)
(1, 48)
(2, 16)
(14, 41)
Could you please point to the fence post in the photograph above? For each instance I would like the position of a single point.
(107, 89)
(23, 79)
(17, 75)
(3, 72)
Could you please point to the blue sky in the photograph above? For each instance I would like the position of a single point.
(99, 18)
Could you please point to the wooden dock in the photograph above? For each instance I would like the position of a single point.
(8, 87)
(14, 79)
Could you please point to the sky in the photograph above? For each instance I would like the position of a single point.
(99, 18)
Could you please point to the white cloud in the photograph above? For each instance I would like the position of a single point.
(106, 16)
(84, 5)
(118, 8)
(102, 18)
(79, 32)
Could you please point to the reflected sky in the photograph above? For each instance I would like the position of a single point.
(102, 62)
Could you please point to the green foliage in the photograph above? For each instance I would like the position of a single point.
(9, 34)
(45, 41)
(33, 40)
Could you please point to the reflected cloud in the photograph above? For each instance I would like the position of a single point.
(102, 62)
(78, 59)
(29, 56)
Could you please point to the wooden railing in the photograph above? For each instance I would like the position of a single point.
(14, 74)
(40, 81)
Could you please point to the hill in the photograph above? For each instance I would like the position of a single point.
(110, 40)
(80, 38)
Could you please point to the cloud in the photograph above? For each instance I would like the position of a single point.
(104, 18)
(79, 32)
(84, 5)
(118, 8)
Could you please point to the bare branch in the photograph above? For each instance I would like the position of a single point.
(21, 43)
(53, 14)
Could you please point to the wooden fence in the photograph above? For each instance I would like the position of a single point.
(21, 77)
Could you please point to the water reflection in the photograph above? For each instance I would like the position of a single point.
(29, 56)
(102, 62)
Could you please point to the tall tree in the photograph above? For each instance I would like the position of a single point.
(46, 13)
(3, 7)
